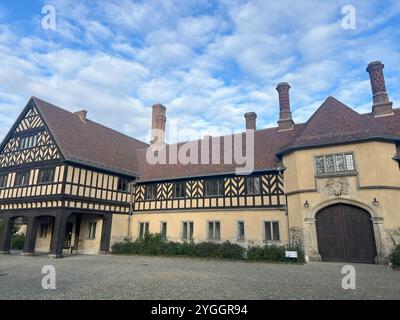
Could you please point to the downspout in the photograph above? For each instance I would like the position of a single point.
(286, 210)
(131, 202)
(287, 219)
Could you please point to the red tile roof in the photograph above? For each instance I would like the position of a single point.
(93, 144)
(90, 143)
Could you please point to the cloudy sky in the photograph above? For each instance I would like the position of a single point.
(208, 61)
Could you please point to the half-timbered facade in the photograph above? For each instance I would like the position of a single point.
(332, 183)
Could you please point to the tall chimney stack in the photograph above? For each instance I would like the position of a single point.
(381, 105)
(158, 124)
(250, 120)
(285, 116)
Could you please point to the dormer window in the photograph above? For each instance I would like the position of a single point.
(28, 142)
(335, 163)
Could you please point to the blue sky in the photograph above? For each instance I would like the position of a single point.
(208, 62)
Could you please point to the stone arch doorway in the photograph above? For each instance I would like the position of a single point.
(345, 233)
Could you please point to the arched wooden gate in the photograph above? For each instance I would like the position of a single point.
(345, 233)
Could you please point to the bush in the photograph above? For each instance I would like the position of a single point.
(394, 257)
(154, 244)
(17, 241)
(273, 253)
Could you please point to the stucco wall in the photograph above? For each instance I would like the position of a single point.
(377, 176)
(253, 219)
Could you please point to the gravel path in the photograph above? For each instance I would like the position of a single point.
(136, 277)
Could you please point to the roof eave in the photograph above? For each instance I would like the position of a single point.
(344, 141)
(218, 174)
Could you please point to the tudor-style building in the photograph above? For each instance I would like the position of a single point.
(80, 186)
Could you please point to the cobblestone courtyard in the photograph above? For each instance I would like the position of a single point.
(136, 277)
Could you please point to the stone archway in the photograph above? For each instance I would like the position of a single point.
(311, 238)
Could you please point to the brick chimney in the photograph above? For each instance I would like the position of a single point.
(82, 115)
(250, 120)
(381, 105)
(285, 116)
(158, 124)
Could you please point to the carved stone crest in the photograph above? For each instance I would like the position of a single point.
(337, 187)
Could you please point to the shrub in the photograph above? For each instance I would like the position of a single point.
(394, 257)
(233, 251)
(154, 244)
(273, 253)
(17, 241)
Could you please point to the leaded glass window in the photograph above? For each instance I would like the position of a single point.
(337, 163)
(329, 164)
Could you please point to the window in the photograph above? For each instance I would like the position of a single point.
(143, 229)
(241, 230)
(164, 230)
(22, 178)
(272, 231)
(3, 181)
(253, 185)
(187, 230)
(46, 175)
(214, 230)
(179, 190)
(123, 184)
(28, 142)
(92, 230)
(214, 187)
(150, 193)
(43, 229)
(337, 163)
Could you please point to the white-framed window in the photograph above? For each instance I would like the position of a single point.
(163, 230)
(271, 231)
(335, 163)
(214, 230)
(92, 230)
(28, 142)
(253, 185)
(43, 229)
(187, 230)
(240, 230)
(143, 229)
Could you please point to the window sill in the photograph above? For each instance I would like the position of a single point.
(337, 174)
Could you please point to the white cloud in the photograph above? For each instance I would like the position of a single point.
(208, 66)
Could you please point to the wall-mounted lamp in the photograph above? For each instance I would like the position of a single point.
(375, 202)
(306, 204)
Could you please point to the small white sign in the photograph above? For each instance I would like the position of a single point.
(291, 254)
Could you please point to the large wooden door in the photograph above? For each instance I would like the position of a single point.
(345, 233)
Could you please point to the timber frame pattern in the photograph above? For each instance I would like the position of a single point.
(59, 200)
(271, 194)
(78, 189)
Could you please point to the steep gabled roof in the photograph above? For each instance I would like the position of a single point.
(334, 122)
(90, 143)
